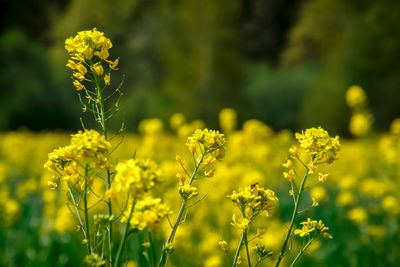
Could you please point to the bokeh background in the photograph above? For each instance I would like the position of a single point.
(287, 63)
(282, 65)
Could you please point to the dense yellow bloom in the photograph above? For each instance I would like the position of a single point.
(147, 213)
(86, 44)
(253, 200)
(355, 96)
(318, 142)
(135, 176)
(87, 147)
(311, 226)
(207, 140)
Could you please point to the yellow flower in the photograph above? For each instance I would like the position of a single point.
(240, 222)
(103, 54)
(223, 245)
(256, 198)
(113, 64)
(71, 64)
(107, 79)
(88, 43)
(188, 191)
(322, 177)
(320, 145)
(147, 213)
(98, 69)
(310, 226)
(78, 85)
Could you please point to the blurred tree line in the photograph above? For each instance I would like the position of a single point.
(285, 62)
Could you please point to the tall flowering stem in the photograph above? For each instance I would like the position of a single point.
(206, 147)
(251, 201)
(319, 148)
(89, 49)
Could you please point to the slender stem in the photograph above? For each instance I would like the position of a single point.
(296, 207)
(85, 194)
(152, 250)
(302, 251)
(124, 237)
(238, 251)
(108, 176)
(77, 212)
(247, 247)
(170, 239)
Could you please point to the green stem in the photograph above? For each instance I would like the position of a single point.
(170, 239)
(124, 237)
(296, 207)
(301, 252)
(85, 193)
(77, 212)
(152, 250)
(238, 250)
(108, 176)
(247, 247)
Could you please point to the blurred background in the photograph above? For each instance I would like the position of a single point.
(275, 64)
(285, 62)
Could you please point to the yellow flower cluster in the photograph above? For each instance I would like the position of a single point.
(208, 141)
(312, 225)
(89, 49)
(136, 177)
(319, 144)
(147, 213)
(254, 200)
(87, 147)
(87, 44)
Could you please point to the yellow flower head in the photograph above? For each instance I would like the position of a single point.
(208, 140)
(254, 200)
(311, 226)
(319, 144)
(87, 44)
(147, 213)
(188, 191)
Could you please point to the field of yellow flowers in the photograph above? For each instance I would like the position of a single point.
(184, 195)
(359, 200)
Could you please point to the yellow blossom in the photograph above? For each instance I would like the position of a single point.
(107, 79)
